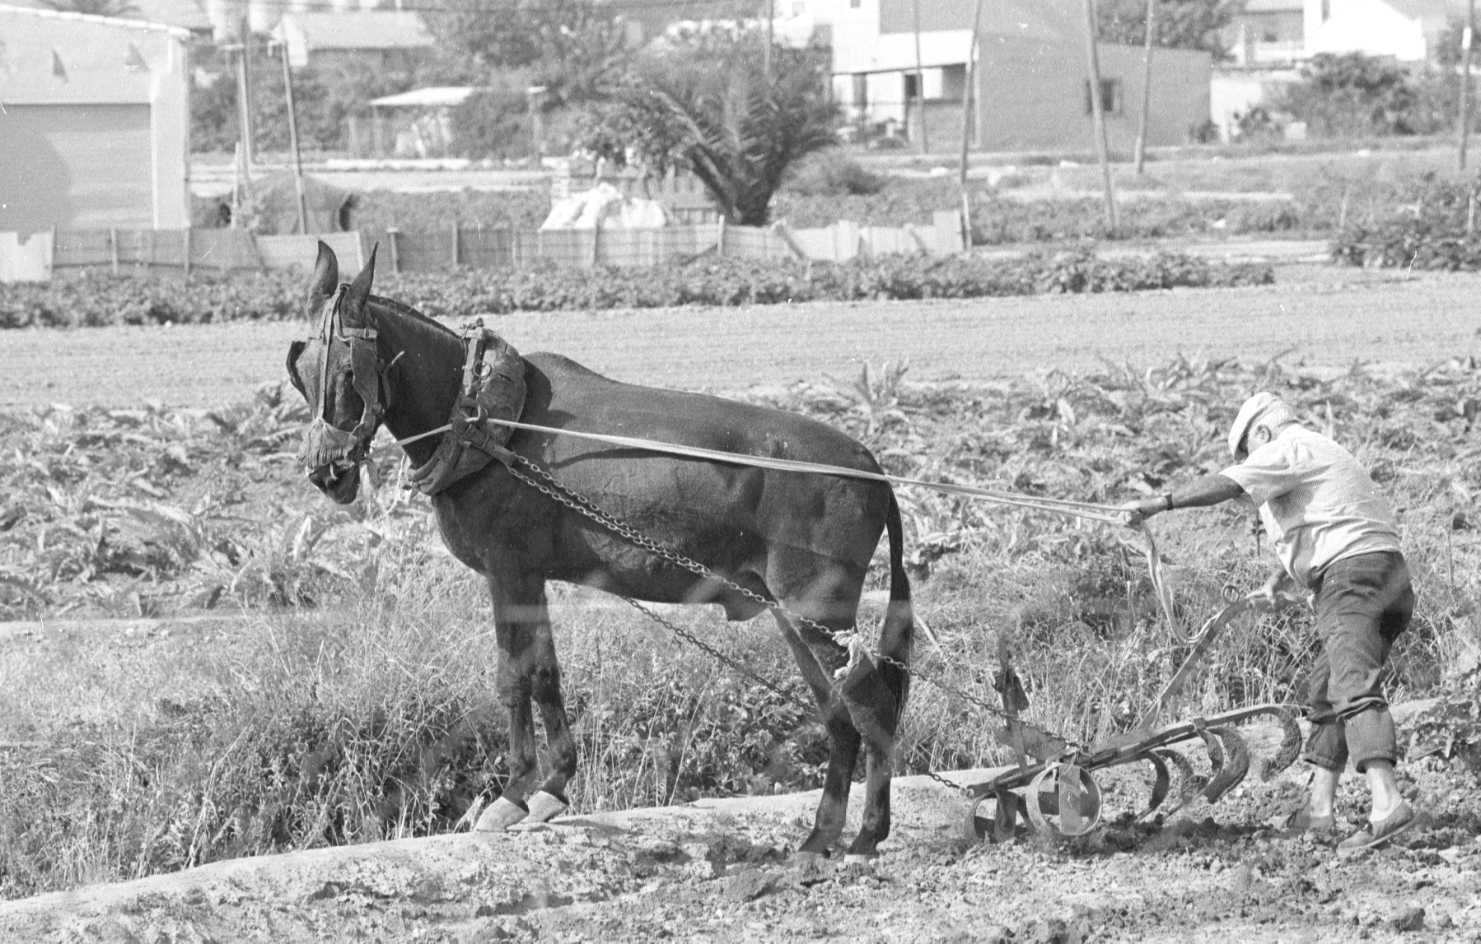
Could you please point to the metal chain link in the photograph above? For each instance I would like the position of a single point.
(850, 639)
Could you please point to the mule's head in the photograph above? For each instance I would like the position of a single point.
(339, 372)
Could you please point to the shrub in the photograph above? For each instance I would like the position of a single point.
(833, 173)
(1433, 226)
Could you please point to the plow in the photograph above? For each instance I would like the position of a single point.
(1061, 796)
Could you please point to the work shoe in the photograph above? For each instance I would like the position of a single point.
(1376, 834)
(1304, 822)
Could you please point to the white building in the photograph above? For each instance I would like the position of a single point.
(94, 133)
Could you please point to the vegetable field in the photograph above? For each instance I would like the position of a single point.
(352, 700)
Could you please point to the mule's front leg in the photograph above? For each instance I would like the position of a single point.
(520, 621)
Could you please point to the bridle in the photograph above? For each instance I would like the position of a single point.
(326, 445)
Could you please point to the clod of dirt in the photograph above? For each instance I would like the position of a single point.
(1409, 919)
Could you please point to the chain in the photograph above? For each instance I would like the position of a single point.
(545, 483)
(766, 683)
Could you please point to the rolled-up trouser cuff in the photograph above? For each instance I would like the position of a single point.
(1326, 747)
(1370, 735)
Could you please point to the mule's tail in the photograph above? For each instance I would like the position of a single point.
(897, 635)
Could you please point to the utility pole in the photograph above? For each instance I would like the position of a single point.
(244, 95)
(1467, 37)
(770, 37)
(967, 127)
(1141, 123)
(303, 207)
(920, 84)
(1098, 112)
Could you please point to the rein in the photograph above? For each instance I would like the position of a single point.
(1059, 506)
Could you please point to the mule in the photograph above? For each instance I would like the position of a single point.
(798, 544)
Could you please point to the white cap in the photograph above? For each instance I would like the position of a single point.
(1252, 410)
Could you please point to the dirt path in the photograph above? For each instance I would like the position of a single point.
(1323, 316)
(719, 871)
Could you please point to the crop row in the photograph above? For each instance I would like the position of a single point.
(100, 299)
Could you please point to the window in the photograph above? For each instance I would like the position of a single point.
(1110, 97)
(912, 86)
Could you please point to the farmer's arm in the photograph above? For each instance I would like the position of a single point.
(1212, 489)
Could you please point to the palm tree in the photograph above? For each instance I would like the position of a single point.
(710, 106)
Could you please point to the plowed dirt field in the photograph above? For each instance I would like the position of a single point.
(1318, 315)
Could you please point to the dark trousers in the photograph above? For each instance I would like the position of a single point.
(1362, 604)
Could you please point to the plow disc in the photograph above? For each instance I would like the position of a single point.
(1062, 797)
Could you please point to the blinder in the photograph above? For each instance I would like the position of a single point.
(324, 444)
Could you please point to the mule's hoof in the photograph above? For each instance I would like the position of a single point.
(860, 859)
(545, 806)
(501, 814)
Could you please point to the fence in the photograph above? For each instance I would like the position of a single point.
(459, 247)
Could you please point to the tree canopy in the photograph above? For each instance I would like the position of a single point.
(571, 47)
(1179, 24)
(707, 103)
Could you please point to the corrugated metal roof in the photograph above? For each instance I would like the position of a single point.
(363, 29)
(1273, 6)
(434, 96)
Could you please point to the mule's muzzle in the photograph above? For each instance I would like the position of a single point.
(338, 480)
(332, 457)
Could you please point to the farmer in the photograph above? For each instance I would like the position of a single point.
(1336, 535)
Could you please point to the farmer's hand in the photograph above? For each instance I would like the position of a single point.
(1272, 593)
(1143, 508)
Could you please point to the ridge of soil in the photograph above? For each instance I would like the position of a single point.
(721, 870)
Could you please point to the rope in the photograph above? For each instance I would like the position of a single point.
(1110, 514)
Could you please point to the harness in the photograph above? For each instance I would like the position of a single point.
(493, 388)
(324, 443)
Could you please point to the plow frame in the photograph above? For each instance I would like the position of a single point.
(1020, 792)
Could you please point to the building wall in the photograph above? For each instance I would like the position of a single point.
(95, 125)
(1033, 95)
(1371, 27)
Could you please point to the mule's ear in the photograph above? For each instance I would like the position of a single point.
(294, 350)
(359, 289)
(325, 279)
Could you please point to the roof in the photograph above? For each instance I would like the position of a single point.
(1429, 9)
(1053, 21)
(359, 29)
(433, 96)
(184, 14)
(1274, 6)
(50, 57)
(24, 9)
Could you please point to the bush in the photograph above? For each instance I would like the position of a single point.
(1431, 225)
(832, 174)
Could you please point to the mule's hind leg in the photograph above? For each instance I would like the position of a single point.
(860, 709)
(843, 737)
(873, 708)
